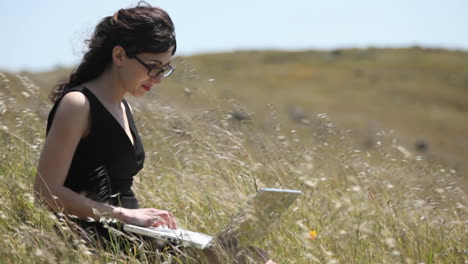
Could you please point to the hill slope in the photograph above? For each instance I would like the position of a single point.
(228, 124)
(419, 94)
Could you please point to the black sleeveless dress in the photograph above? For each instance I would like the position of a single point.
(105, 161)
(102, 169)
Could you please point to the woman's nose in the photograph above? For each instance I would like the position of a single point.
(157, 79)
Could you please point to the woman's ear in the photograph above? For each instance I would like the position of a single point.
(118, 55)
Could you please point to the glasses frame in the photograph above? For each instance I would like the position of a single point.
(158, 71)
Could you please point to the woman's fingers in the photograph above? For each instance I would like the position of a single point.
(172, 223)
(168, 220)
(156, 224)
(164, 218)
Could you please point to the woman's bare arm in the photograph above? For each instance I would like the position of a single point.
(71, 123)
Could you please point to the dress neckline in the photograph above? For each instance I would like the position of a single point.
(127, 113)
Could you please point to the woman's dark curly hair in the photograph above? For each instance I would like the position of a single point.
(143, 28)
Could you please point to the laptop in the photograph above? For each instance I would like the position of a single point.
(251, 222)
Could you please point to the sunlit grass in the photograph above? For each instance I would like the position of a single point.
(379, 205)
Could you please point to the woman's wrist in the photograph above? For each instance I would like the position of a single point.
(117, 213)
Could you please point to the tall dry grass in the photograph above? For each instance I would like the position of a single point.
(379, 206)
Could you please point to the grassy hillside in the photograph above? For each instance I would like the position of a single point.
(420, 95)
(340, 126)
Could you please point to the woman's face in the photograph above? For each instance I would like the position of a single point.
(134, 71)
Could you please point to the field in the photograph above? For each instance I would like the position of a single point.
(376, 139)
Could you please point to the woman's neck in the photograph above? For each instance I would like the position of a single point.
(108, 88)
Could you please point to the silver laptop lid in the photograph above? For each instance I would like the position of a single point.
(257, 216)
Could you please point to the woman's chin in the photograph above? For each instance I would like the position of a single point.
(139, 94)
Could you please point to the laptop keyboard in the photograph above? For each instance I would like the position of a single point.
(184, 235)
(177, 232)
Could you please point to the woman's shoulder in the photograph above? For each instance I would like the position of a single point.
(71, 107)
(70, 114)
(74, 101)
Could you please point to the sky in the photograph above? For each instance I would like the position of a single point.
(41, 35)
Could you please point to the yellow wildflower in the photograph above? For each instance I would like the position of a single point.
(313, 235)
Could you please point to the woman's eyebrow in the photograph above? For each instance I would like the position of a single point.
(158, 61)
(154, 60)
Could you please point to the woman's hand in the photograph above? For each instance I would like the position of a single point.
(145, 217)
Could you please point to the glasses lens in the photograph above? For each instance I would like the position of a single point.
(167, 71)
(164, 72)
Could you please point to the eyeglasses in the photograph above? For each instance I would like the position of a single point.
(154, 72)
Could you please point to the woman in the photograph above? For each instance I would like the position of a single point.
(93, 149)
